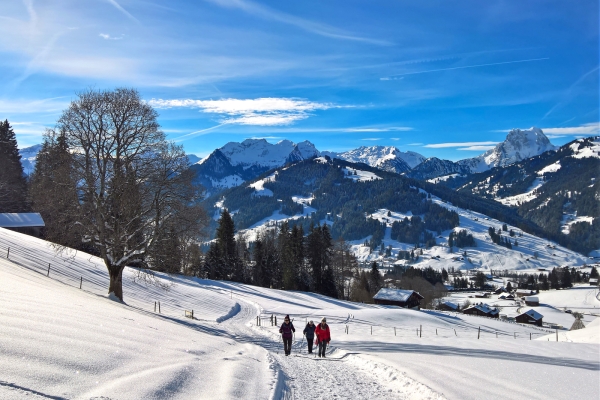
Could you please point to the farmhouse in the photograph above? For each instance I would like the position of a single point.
(448, 306)
(28, 223)
(593, 282)
(524, 292)
(398, 297)
(482, 310)
(532, 301)
(530, 317)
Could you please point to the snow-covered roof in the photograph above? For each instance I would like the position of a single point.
(451, 305)
(527, 291)
(20, 220)
(533, 314)
(532, 299)
(394, 294)
(484, 308)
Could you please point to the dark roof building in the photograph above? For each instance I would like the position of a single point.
(448, 306)
(530, 317)
(482, 310)
(532, 301)
(28, 223)
(398, 297)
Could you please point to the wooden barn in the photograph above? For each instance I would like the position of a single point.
(398, 297)
(28, 223)
(483, 310)
(524, 292)
(530, 317)
(532, 301)
(449, 306)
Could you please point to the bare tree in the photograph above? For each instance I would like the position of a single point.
(134, 187)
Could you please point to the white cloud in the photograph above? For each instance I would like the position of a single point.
(476, 148)
(585, 129)
(373, 139)
(464, 145)
(106, 36)
(266, 111)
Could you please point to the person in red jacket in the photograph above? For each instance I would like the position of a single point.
(323, 336)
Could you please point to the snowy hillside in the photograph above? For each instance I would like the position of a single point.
(64, 342)
(28, 155)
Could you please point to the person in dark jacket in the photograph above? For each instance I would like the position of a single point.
(323, 336)
(309, 332)
(286, 333)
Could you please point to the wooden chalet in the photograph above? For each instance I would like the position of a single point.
(483, 310)
(28, 223)
(593, 282)
(398, 297)
(530, 317)
(532, 301)
(524, 292)
(448, 306)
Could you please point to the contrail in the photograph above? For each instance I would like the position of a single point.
(124, 11)
(181, 138)
(473, 66)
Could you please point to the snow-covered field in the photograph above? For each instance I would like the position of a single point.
(58, 341)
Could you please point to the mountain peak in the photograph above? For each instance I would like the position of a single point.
(388, 158)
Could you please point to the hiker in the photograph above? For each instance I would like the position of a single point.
(323, 336)
(309, 332)
(286, 333)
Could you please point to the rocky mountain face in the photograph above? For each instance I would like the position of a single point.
(518, 145)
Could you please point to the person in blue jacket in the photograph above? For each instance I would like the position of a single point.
(309, 332)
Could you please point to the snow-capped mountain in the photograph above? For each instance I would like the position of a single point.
(387, 158)
(28, 155)
(235, 163)
(435, 167)
(259, 152)
(518, 145)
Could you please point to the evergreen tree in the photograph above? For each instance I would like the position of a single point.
(594, 273)
(53, 190)
(375, 278)
(212, 262)
(13, 185)
(554, 280)
(225, 238)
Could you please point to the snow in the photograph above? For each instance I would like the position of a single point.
(586, 152)
(530, 194)
(62, 342)
(259, 186)
(549, 168)
(358, 175)
(393, 294)
(570, 219)
(443, 178)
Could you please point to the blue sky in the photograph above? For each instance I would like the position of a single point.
(442, 78)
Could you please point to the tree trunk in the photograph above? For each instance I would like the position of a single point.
(116, 281)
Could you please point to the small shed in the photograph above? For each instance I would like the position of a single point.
(449, 306)
(530, 317)
(483, 310)
(593, 281)
(532, 301)
(398, 297)
(28, 223)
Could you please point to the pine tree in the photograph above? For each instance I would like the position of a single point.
(13, 185)
(53, 190)
(375, 278)
(225, 239)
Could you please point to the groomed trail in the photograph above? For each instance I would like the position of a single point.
(339, 375)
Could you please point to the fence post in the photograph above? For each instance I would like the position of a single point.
(529, 335)
(496, 335)
(435, 331)
(48, 274)
(455, 332)
(276, 320)
(8, 252)
(557, 334)
(478, 332)
(80, 282)
(420, 330)
(515, 334)
(155, 306)
(159, 307)
(394, 331)
(371, 329)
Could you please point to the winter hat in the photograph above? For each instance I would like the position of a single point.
(287, 317)
(324, 319)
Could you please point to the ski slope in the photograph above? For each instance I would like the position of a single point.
(59, 341)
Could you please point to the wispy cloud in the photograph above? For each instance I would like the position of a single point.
(372, 139)
(309, 26)
(106, 36)
(357, 129)
(570, 92)
(395, 76)
(464, 145)
(585, 129)
(415, 144)
(122, 10)
(475, 148)
(266, 111)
